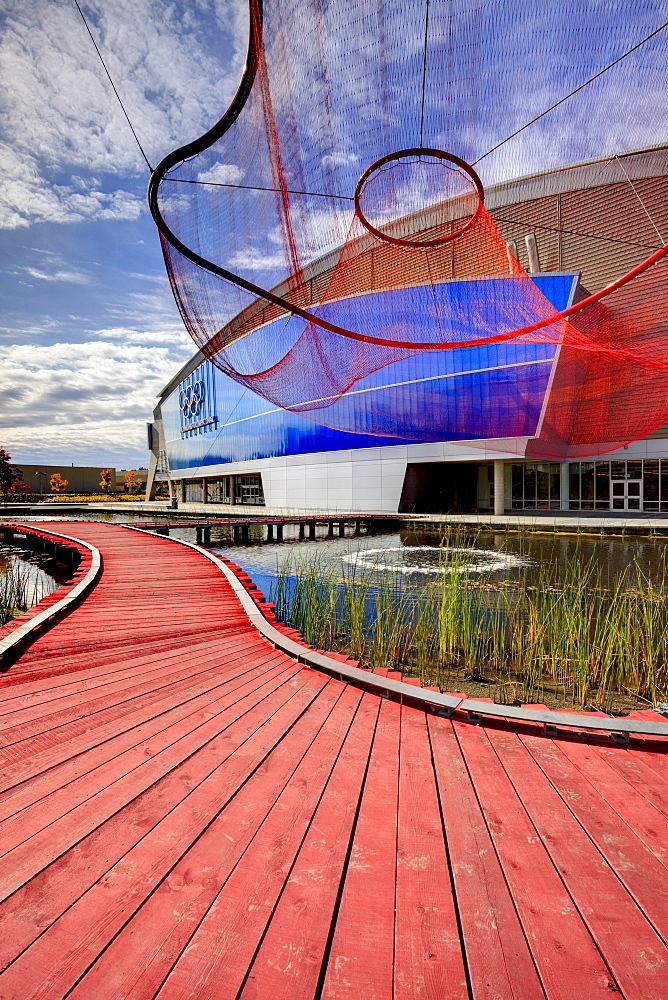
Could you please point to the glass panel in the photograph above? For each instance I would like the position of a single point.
(555, 482)
(634, 470)
(664, 480)
(633, 489)
(633, 503)
(602, 482)
(618, 470)
(618, 504)
(587, 484)
(194, 491)
(249, 489)
(651, 481)
(529, 485)
(574, 481)
(542, 481)
(518, 482)
(618, 489)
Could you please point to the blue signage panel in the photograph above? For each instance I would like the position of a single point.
(492, 391)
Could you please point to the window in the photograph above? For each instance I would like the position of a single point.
(249, 489)
(536, 485)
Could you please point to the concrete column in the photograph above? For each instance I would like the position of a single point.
(564, 486)
(342, 529)
(499, 487)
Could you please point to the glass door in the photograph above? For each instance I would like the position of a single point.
(626, 494)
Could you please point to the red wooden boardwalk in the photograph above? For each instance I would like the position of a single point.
(187, 813)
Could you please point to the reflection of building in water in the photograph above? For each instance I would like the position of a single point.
(217, 442)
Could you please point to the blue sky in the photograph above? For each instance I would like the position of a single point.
(88, 329)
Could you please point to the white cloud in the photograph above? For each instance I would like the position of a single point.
(60, 119)
(70, 277)
(76, 400)
(222, 173)
(339, 159)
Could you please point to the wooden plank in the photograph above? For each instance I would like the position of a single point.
(289, 960)
(228, 923)
(427, 949)
(148, 737)
(630, 946)
(237, 847)
(51, 965)
(499, 961)
(568, 962)
(129, 774)
(361, 959)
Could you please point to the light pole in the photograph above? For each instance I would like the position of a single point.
(41, 482)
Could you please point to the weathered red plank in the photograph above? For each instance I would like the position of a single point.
(361, 961)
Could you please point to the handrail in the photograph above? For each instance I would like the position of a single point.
(434, 701)
(19, 634)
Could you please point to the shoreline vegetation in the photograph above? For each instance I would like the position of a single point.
(542, 635)
(20, 588)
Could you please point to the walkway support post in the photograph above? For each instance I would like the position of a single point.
(499, 487)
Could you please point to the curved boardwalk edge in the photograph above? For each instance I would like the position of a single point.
(434, 701)
(188, 811)
(14, 633)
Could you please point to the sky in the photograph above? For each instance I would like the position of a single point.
(89, 332)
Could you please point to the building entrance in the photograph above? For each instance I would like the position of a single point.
(626, 494)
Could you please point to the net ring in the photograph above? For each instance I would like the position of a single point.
(419, 151)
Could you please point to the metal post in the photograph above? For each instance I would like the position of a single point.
(342, 529)
(302, 527)
(330, 531)
(279, 532)
(206, 533)
(499, 487)
(236, 530)
(532, 251)
(244, 532)
(311, 530)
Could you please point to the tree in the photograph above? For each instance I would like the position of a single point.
(132, 484)
(58, 484)
(105, 478)
(11, 478)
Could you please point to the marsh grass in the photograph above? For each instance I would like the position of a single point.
(20, 588)
(557, 628)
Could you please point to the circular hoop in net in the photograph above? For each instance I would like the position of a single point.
(418, 197)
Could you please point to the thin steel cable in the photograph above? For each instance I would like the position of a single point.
(113, 86)
(253, 187)
(424, 68)
(572, 93)
(642, 203)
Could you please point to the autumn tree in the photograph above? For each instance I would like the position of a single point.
(105, 478)
(132, 484)
(58, 484)
(11, 478)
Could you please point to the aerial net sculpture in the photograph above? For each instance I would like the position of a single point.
(328, 244)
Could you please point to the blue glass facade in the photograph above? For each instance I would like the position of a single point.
(491, 391)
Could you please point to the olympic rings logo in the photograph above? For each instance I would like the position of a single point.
(191, 399)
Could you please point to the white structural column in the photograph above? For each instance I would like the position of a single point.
(499, 486)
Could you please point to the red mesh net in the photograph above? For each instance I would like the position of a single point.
(313, 239)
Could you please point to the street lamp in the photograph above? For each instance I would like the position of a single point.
(41, 482)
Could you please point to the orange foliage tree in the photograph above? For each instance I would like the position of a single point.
(58, 484)
(105, 479)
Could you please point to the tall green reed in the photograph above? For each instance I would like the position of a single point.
(555, 626)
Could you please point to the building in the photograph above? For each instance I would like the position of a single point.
(80, 478)
(216, 441)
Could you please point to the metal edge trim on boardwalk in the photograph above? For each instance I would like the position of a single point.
(22, 632)
(433, 701)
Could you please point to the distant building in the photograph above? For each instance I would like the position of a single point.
(80, 478)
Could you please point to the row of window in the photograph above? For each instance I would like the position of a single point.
(536, 485)
(641, 484)
(225, 489)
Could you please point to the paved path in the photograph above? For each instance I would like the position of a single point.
(187, 813)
